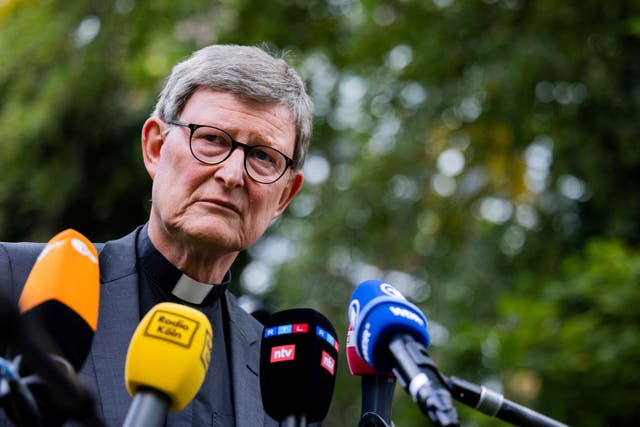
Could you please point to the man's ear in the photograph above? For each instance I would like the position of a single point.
(293, 187)
(152, 140)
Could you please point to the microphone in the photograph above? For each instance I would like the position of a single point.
(390, 334)
(52, 336)
(168, 332)
(298, 362)
(62, 294)
(376, 390)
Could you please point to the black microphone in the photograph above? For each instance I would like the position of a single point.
(298, 366)
(389, 333)
(52, 336)
(377, 388)
(15, 396)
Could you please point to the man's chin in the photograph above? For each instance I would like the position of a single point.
(212, 237)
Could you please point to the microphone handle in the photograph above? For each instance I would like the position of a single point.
(294, 421)
(148, 409)
(495, 405)
(67, 391)
(377, 399)
(412, 368)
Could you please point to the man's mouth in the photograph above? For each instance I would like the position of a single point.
(223, 204)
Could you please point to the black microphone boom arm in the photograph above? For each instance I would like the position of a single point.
(477, 397)
(496, 405)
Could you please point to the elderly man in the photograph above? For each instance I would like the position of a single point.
(224, 148)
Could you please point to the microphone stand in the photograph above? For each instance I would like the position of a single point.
(294, 420)
(482, 399)
(377, 393)
(148, 409)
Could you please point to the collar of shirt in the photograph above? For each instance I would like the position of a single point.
(173, 283)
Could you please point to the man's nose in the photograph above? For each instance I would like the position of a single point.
(231, 171)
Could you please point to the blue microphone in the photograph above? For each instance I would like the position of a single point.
(377, 312)
(390, 334)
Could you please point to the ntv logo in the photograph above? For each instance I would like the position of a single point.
(328, 362)
(283, 353)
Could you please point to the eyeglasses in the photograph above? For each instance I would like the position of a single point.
(212, 146)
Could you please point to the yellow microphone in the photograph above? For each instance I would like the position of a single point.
(168, 332)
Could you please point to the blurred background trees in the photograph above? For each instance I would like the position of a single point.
(481, 156)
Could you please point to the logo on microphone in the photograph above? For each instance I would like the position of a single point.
(83, 250)
(407, 314)
(366, 336)
(282, 353)
(205, 354)
(328, 362)
(49, 247)
(325, 335)
(350, 342)
(391, 291)
(354, 311)
(172, 327)
(300, 328)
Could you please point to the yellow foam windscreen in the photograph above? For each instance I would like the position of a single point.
(170, 351)
(66, 271)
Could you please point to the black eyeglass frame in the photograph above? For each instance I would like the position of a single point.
(289, 163)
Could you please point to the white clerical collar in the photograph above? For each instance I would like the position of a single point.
(190, 290)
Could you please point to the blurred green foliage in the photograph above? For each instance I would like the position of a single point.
(481, 156)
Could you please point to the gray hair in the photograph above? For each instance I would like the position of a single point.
(248, 72)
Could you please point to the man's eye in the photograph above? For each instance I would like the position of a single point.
(215, 139)
(262, 155)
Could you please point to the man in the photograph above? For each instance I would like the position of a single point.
(224, 148)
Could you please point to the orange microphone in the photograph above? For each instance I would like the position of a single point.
(61, 296)
(53, 333)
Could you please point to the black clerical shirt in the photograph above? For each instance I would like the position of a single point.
(158, 279)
